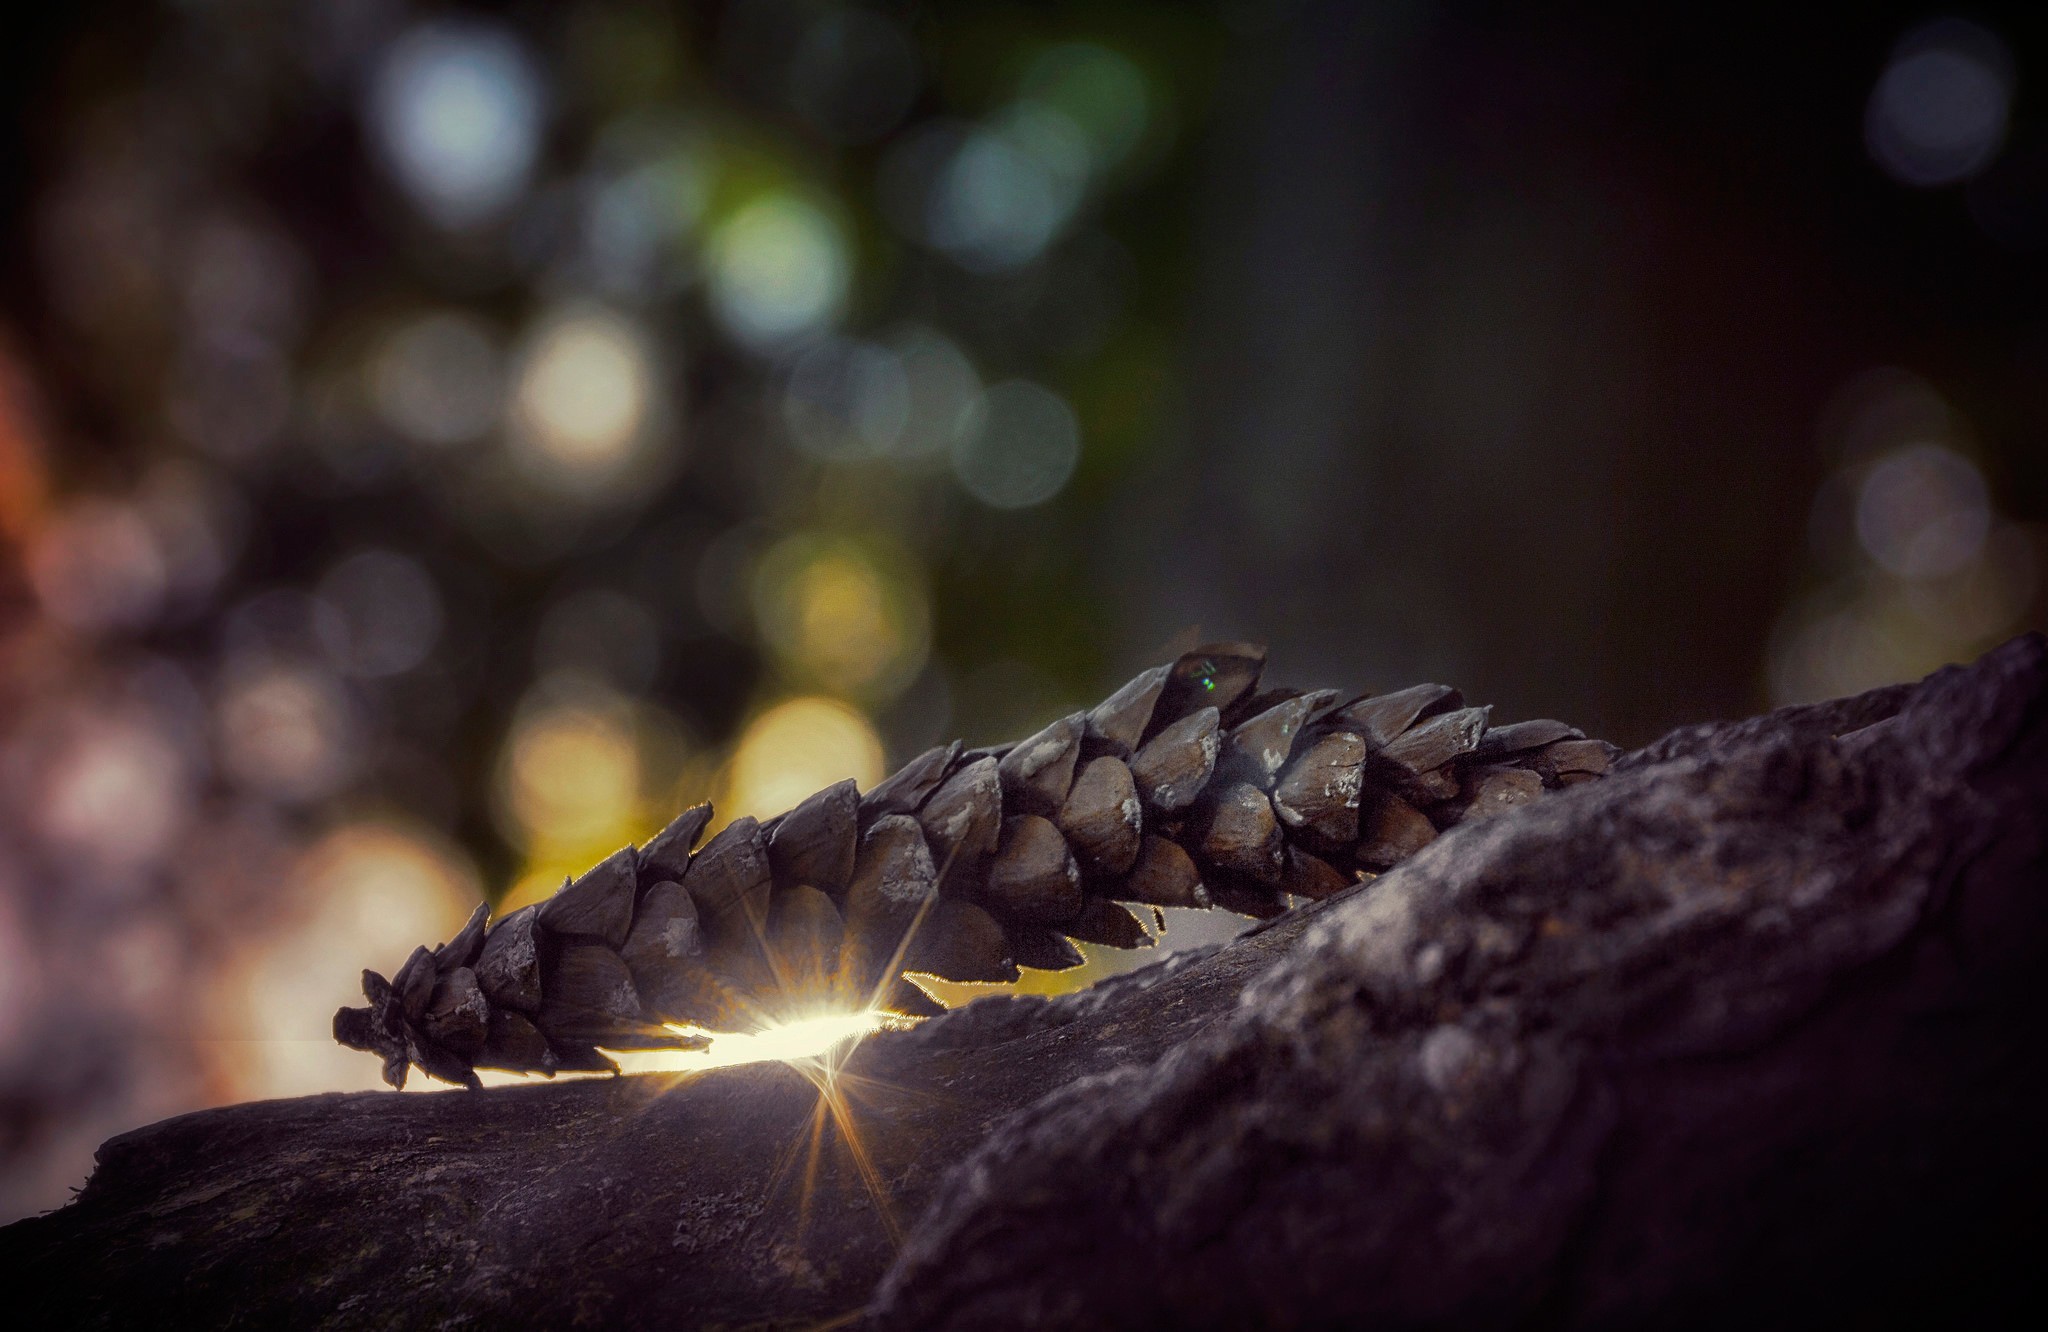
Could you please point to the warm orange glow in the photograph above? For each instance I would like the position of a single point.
(794, 749)
(798, 1039)
(845, 614)
(815, 1040)
(584, 770)
(572, 772)
(24, 484)
(843, 619)
(373, 890)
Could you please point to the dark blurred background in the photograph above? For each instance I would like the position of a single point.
(436, 441)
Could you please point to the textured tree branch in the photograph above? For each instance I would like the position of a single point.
(1745, 1033)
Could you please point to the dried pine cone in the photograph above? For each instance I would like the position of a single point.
(1188, 787)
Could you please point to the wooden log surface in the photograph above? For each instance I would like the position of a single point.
(1745, 1034)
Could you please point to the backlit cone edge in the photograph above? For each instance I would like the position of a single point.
(1188, 786)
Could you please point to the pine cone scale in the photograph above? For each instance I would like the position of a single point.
(1187, 787)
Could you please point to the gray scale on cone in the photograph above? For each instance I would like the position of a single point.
(1188, 787)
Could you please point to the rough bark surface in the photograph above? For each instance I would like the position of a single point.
(1747, 1033)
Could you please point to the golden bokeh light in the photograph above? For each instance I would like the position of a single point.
(844, 615)
(583, 771)
(842, 620)
(374, 889)
(795, 749)
(571, 773)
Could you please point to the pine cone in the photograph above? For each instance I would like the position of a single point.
(1188, 787)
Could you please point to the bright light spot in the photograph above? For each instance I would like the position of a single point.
(1938, 113)
(372, 891)
(842, 615)
(389, 613)
(97, 566)
(841, 619)
(585, 389)
(285, 730)
(1021, 448)
(456, 110)
(787, 1042)
(1097, 89)
(115, 791)
(797, 748)
(779, 267)
(437, 380)
(389, 884)
(1923, 512)
(583, 770)
(1010, 189)
(571, 773)
(1176, 929)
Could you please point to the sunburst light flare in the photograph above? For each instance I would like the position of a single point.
(812, 1037)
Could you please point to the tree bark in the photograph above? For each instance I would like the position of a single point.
(1745, 1033)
